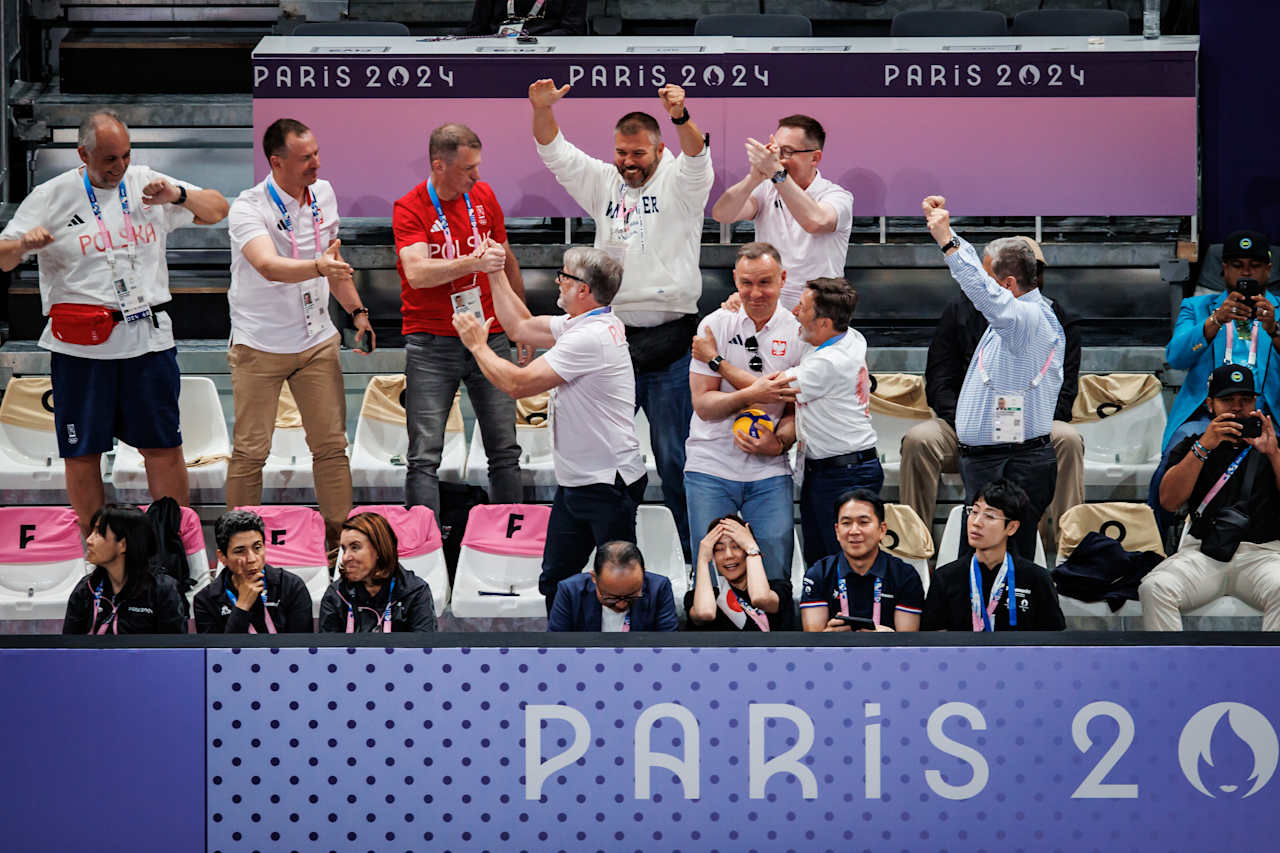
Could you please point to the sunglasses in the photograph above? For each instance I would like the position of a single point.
(753, 346)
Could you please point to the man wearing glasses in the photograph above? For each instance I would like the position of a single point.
(616, 595)
(737, 357)
(600, 475)
(796, 209)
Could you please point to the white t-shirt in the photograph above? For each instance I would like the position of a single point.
(805, 256)
(267, 315)
(832, 414)
(710, 449)
(593, 419)
(74, 268)
(611, 621)
(654, 231)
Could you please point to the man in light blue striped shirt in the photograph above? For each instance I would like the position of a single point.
(1005, 410)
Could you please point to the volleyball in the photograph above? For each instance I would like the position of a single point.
(751, 422)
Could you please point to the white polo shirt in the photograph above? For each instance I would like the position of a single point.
(832, 414)
(593, 421)
(805, 256)
(710, 449)
(267, 315)
(74, 268)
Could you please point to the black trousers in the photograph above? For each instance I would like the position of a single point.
(584, 518)
(1034, 468)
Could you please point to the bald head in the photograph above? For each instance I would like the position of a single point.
(104, 148)
(97, 123)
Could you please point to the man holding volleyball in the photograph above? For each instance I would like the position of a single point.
(743, 421)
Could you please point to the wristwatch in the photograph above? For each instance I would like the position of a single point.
(779, 176)
(753, 552)
(715, 363)
(356, 313)
(182, 195)
(684, 118)
(953, 243)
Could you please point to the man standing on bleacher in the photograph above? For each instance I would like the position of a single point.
(648, 208)
(1006, 405)
(600, 477)
(100, 230)
(1229, 477)
(285, 261)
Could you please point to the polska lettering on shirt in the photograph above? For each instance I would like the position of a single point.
(145, 233)
(436, 250)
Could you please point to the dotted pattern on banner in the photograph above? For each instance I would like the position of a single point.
(422, 749)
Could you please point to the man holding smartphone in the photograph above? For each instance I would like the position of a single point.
(1229, 476)
(862, 588)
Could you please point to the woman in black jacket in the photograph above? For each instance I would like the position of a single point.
(249, 596)
(122, 595)
(375, 592)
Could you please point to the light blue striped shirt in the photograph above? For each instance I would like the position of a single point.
(1023, 335)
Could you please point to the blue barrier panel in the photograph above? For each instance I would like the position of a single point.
(103, 750)
(1055, 748)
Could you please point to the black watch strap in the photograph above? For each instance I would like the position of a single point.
(356, 313)
(684, 118)
(953, 243)
(182, 195)
(715, 363)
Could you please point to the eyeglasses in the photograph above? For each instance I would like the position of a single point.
(610, 600)
(563, 274)
(752, 346)
(986, 515)
(786, 152)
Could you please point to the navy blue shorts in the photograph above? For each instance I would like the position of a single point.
(133, 399)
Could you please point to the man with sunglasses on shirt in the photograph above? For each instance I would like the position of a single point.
(793, 207)
(616, 595)
(737, 359)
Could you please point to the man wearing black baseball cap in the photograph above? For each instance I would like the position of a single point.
(1229, 477)
(1236, 326)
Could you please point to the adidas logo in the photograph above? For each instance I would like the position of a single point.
(437, 226)
(75, 220)
(280, 225)
(736, 339)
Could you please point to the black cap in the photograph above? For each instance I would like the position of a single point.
(1231, 379)
(1247, 244)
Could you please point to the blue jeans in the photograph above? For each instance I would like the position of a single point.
(1164, 518)
(764, 504)
(817, 503)
(667, 402)
(433, 367)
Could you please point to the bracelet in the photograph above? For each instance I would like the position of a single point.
(684, 118)
(356, 313)
(1199, 452)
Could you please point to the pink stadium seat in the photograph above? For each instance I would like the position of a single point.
(421, 546)
(41, 559)
(500, 560)
(295, 541)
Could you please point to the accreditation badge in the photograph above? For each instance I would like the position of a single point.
(1009, 426)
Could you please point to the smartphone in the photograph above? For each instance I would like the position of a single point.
(856, 622)
(524, 39)
(1249, 288)
(365, 343)
(1251, 427)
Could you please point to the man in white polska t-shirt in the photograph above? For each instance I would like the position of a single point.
(737, 362)
(600, 476)
(796, 209)
(100, 232)
(833, 420)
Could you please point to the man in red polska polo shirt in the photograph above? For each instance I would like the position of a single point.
(442, 229)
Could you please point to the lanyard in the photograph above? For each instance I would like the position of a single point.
(626, 620)
(535, 12)
(986, 380)
(451, 251)
(115, 612)
(626, 215)
(875, 600)
(386, 613)
(266, 617)
(288, 220)
(757, 615)
(1229, 332)
(828, 342)
(129, 244)
(984, 617)
(1222, 481)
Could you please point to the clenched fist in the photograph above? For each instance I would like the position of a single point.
(672, 100)
(938, 218)
(160, 191)
(35, 239)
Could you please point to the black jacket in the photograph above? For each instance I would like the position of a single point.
(150, 606)
(956, 339)
(412, 607)
(558, 18)
(287, 597)
(1100, 569)
(946, 606)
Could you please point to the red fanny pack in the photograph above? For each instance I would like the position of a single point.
(86, 325)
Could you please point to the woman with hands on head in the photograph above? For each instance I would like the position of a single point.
(375, 593)
(746, 600)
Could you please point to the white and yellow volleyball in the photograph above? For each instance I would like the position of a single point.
(752, 422)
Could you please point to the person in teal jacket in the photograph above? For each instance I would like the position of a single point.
(1199, 344)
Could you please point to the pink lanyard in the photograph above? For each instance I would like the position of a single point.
(288, 220)
(875, 600)
(1253, 344)
(266, 614)
(626, 621)
(384, 616)
(102, 226)
(115, 612)
(986, 380)
(757, 615)
(1222, 481)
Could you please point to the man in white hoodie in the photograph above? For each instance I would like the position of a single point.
(648, 207)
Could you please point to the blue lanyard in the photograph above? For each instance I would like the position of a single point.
(102, 225)
(835, 340)
(975, 593)
(594, 311)
(444, 221)
(288, 221)
(263, 596)
(386, 614)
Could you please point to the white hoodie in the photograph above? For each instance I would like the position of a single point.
(658, 243)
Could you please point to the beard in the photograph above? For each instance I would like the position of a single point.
(635, 176)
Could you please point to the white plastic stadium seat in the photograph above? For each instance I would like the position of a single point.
(537, 468)
(659, 542)
(420, 544)
(41, 559)
(499, 562)
(949, 548)
(1227, 612)
(1123, 449)
(30, 469)
(287, 476)
(889, 406)
(798, 569)
(295, 541)
(653, 488)
(205, 446)
(1134, 525)
(381, 446)
(908, 539)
